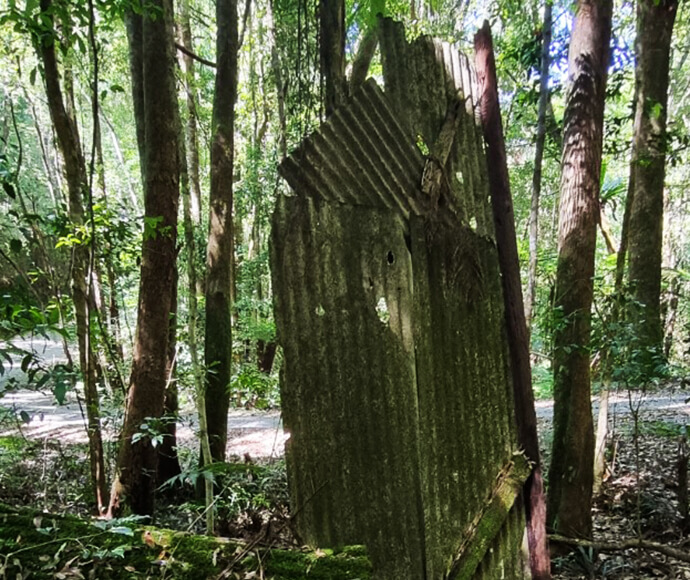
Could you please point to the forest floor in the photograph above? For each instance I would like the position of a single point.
(42, 464)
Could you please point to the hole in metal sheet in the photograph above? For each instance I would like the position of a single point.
(382, 310)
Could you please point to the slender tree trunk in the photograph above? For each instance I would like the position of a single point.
(655, 19)
(191, 133)
(518, 337)
(364, 56)
(332, 30)
(277, 68)
(192, 325)
(153, 81)
(220, 250)
(77, 185)
(168, 461)
(571, 471)
(601, 437)
(538, 158)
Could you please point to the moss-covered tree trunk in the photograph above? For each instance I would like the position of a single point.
(571, 472)
(156, 114)
(655, 19)
(220, 250)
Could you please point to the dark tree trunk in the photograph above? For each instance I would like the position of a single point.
(332, 28)
(265, 355)
(571, 471)
(220, 250)
(518, 337)
(153, 81)
(655, 20)
(538, 158)
(77, 186)
(168, 461)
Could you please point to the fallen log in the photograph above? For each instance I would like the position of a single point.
(40, 545)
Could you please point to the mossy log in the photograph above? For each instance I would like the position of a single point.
(38, 545)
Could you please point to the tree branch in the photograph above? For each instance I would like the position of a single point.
(196, 57)
(624, 545)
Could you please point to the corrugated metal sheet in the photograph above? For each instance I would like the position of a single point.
(359, 156)
(342, 278)
(395, 386)
(466, 428)
(423, 79)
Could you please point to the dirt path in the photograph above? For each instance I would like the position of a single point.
(255, 432)
(260, 434)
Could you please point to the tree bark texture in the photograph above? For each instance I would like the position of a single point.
(332, 30)
(220, 250)
(538, 158)
(518, 337)
(152, 61)
(77, 186)
(655, 19)
(570, 474)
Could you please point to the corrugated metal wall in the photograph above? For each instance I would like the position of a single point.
(343, 308)
(395, 384)
(423, 79)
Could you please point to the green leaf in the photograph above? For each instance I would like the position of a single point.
(42, 381)
(25, 417)
(9, 189)
(60, 392)
(30, 6)
(32, 76)
(122, 530)
(26, 361)
(16, 246)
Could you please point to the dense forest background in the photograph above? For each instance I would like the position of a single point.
(109, 109)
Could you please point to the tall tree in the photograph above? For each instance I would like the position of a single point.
(655, 19)
(570, 474)
(152, 64)
(538, 159)
(220, 249)
(78, 188)
(518, 336)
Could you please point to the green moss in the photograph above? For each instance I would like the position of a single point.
(41, 545)
(350, 562)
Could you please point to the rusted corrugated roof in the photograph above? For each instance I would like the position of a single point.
(359, 156)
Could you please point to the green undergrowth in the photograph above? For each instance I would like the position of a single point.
(659, 428)
(35, 545)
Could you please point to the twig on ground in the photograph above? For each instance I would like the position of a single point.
(624, 545)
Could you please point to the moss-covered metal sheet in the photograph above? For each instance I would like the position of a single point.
(396, 389)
